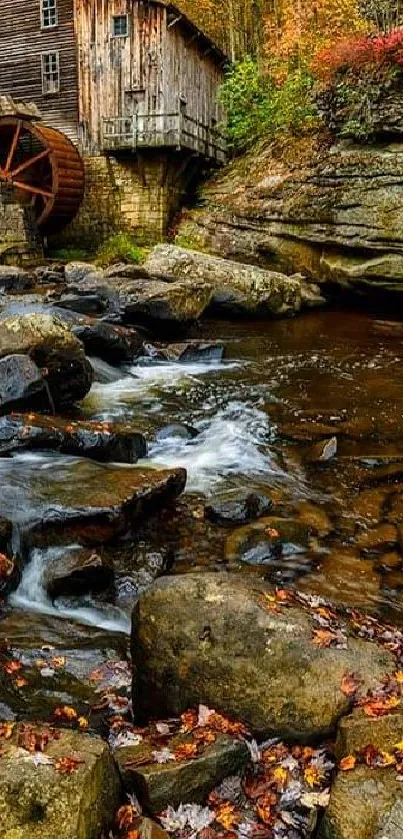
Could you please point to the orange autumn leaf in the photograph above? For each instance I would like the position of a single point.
(65, 712)
(347, 763)
(186, 751)
(380, 707)
(189, 720)
(6, 730)
(6, 566)
(12, 667)
(312, 776)
(226, 815)
(398, 676)
(265, 808)
(280, 776)
(82, 722)
(20, 682)
(67, 765)
(204, 736)
(323, 637)
(349, 684)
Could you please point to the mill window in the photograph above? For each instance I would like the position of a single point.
(48, 13)
(50, 73)
(120, 26)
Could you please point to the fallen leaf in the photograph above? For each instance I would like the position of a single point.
(347, 763)
(20, 682)
(323, 637)
(227, 815)
(65, 712)
(6, 730)
(186, 751)
(349, 684)
(380, 707)
(67, 765)
(12, 667)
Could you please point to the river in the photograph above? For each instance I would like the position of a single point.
(281, 387)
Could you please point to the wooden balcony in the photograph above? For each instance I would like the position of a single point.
(177, 131)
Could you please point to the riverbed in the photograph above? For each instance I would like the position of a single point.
(255, 418)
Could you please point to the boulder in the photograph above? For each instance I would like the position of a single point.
(39, 798)
(237, 289)
(365, 803)
(159, 785)
(228, 652)
(152, 302)
(74, 272)
(77, 572)
(269, 529)
(99, 441)
(22, 384)
(88, 504)
(358, 730)
(113, 343)
(86, 304)
(51, 345)
(313, 208)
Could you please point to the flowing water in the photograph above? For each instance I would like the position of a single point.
(256, 418)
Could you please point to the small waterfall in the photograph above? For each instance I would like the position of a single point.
(31, 595)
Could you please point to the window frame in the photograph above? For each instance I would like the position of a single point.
(44, 25)
(46, 74)
(119, 34)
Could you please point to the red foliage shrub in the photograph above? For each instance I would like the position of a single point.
(357, 53)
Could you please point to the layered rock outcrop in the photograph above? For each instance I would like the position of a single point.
(334, 213)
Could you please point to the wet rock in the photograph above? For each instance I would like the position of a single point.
(77, 572)
(22, 384)
(51, 345)
(229, 653)
(393, 580)
(323, 451)
(176, 429)
(136, 567)
(191, 351)
(37, 800)
(269, 528)
(369, 505)
(113, 343)
(239, 289)
(74, 272)
(159, 785)
(364, 804)
(239, 510)
(6, 532)
(378, 539)
(94, 504)
(49, 274)
(99, 441)
(152, 302)
(14, 279)
(395, 508)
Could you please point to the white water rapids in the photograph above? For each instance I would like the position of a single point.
(233, 440)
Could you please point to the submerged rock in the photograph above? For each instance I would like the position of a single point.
(22, 384)
(240, 510)
(190, 351)
(99, 441)
(38, 799)
(238, 289)
(51, 345)
(159, 785)
(228, 652)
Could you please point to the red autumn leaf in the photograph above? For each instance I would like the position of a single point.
(126, 816)
(265, 808)
(12, 666)
(380, 707)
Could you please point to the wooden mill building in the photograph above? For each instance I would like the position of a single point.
(133, 84)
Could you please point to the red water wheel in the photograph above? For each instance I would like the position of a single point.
(43, 168)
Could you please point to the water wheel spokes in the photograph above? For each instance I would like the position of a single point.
(43, 168)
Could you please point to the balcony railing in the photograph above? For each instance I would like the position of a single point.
(176, 130)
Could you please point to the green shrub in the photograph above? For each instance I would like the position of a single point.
(256, 105)
(70, 254)
(120, 247)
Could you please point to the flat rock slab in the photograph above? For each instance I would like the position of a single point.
(38, 800)
(99, 441)
(159, 785)
(91, 504)
(207, 638)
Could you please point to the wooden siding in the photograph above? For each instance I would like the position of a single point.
(22, 41)
(158, 70)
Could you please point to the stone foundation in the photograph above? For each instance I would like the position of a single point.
(19, 239)
(135, 193)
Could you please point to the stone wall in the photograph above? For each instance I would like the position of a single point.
(138, 194)
(19, 239)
